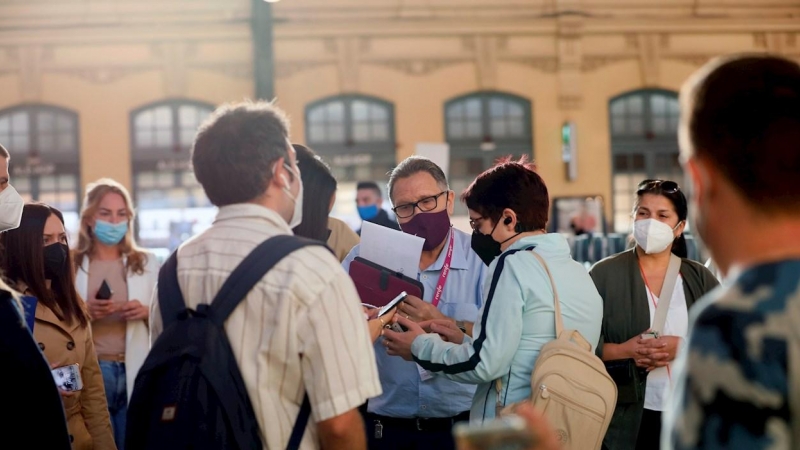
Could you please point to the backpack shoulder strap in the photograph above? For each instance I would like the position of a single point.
(251, 270)
(170, 298)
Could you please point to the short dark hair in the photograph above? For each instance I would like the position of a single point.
(743, 114)
(4, 153)
(415, 164)
(369, 185)
(23, 260)
(319, 186)
(235, 149)
(510, 184)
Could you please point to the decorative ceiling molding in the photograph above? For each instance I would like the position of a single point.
(417, 67)
(592, 63)
(229, 69)
(546, 64)
(691, 59)
(287, 69)
(100, 75)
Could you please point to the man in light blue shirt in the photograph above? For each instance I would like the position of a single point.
(417, 409)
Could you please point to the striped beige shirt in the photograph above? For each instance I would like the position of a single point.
(306, 305)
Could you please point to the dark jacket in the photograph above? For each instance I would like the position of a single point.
(383, 220)
(626, 313)
(31, 396)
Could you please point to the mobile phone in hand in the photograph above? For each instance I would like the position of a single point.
(395, 301)
(504, 433)
(104, 293)
(68, 378)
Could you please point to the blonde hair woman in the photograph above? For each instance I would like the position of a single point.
(117, 279)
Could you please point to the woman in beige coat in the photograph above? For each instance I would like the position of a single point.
(37, 260)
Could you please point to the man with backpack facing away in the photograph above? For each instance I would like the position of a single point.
(300, 330)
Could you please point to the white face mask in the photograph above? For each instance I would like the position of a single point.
(652, 235)
(297, 215)
(11, 204)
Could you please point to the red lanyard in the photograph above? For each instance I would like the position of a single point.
(437, 295)
(652, 297)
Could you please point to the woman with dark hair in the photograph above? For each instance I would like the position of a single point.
(631, 284)
(321, 186)
(37, 260)
(508, 209)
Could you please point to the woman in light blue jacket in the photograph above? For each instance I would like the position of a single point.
(508, 208)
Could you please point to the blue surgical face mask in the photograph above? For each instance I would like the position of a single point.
(368, 212)
(110, 233)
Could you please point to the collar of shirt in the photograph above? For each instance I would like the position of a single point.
(459, 261)
(252, 211)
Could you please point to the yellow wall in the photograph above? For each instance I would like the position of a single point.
(416, 55)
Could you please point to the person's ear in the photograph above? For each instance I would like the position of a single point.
(451, 202)
(280, 177)
(509, 220)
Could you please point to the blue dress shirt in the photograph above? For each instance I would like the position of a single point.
(405, 395)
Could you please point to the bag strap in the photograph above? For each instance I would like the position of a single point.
(300, 425)
(559, 320)
(251, 270)
(660, 317)
(170, 298)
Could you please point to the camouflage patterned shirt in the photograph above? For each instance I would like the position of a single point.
(734, 381)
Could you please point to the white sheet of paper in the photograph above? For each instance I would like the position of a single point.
(392, 249)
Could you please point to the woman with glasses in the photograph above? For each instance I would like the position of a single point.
(632, 284)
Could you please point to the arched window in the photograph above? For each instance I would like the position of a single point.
(481, 127)
(45, 156)
(171, 203)
(354, 134)
(644, 144)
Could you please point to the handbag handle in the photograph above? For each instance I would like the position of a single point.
(557, 304)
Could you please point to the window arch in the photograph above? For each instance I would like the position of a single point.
(482, 126)
(171, 203)
(45, 156)
(644, 144)
(354, 134)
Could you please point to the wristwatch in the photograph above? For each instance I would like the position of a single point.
(461, 326)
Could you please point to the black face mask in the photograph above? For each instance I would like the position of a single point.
(485, 246)
(55, 257)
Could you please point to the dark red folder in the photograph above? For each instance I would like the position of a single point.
(378, 285)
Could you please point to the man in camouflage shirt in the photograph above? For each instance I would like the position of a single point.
(738, 383)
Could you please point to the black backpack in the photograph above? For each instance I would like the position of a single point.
(189, 394)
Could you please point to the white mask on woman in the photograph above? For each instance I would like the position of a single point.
(11, 204)
(652, 235)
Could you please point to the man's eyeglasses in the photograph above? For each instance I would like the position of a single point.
(425, 205)
(665, 186)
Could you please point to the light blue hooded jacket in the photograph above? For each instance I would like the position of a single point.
(517, 318)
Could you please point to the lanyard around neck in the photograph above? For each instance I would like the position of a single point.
(437, 295)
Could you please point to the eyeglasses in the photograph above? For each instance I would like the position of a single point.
(665, 186)
(473, 223)
(425, 205)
